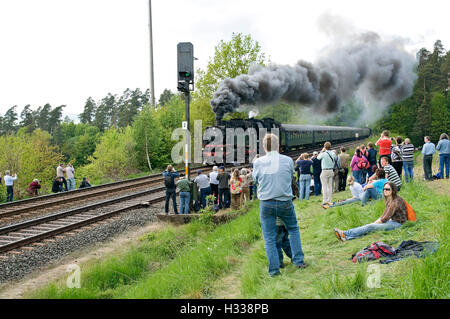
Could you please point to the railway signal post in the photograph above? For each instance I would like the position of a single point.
(185, 59)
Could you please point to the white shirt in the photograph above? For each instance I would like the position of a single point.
(357, 190)
(69, 172)
(59, 171)
(9, 180)
(213, 178)
(202, 181)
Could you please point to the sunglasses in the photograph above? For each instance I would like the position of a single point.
(387, 189)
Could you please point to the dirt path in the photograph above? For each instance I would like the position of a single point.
(58, 270)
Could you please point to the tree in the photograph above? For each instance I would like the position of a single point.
(440, 116)
(165, 97)
(28, 118)
(9, 123)
(148, 139)
(89, 111)
(55, 118)
(43, 117)
(30, 156)
(106, 113)
(230, 59)
(114, 156)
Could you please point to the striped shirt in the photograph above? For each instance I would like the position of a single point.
(392, 175)
(408, 152)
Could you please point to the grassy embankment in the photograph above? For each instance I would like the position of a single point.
(200, 261)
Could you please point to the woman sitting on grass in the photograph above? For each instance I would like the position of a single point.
(393, 217)
(356, 190)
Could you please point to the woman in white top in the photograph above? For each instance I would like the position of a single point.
(214, 183)
(357, 192)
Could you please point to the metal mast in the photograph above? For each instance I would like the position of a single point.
(152, 80)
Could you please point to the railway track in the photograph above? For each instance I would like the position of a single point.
(29, 232)
(48, 203)
(23, 234)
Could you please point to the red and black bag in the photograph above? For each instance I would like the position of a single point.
(373, 252)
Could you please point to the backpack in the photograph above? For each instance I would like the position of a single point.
(362, 163)
(168, 181)
(373, 252)
(411, 214)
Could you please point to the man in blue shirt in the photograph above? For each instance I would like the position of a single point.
(428, 150)
(444, 154)
(273, 173)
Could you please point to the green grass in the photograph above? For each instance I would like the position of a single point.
(169, 263)
(333, 275)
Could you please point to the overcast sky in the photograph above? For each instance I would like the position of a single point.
(62, 52)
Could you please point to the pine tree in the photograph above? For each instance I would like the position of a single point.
(89, 111)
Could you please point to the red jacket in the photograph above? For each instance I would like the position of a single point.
(34, 185)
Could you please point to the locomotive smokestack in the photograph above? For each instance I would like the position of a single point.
(357, 64)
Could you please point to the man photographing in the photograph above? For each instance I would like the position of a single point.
(273, 173)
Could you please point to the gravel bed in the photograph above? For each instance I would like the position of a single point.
(17, 266)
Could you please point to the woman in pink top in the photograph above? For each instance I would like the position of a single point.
(358, 164)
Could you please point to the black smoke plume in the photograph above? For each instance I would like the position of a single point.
(381, 72)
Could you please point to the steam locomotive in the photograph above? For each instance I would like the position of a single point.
(292, 136)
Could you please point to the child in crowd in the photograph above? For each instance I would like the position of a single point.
(282, 241)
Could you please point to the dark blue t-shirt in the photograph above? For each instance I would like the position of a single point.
(304, 166)
(317, 166)
(372, 156)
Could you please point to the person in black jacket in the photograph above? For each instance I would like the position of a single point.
(169, 181)
(57, 185)
(85, 183)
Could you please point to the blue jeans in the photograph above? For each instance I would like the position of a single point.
(9, 193)
(71, 183)
(361, 231)
(317, 185)
(408, 167)
(368, 194)
(304, 185)
(203, 193)
(363, 176)
(185, 197)
(224, 198)
(269, 210)
(173, 194)
(255, 190)
(444, 160)
(357, 176)
(283, 243)
(347, 201)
